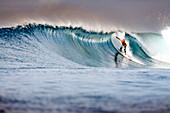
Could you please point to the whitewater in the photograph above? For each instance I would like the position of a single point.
(60, 69)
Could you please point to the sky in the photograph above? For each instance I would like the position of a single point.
(106, 15)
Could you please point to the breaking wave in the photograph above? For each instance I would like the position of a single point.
(41, 45)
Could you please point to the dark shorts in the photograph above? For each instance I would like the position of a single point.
(124, 47)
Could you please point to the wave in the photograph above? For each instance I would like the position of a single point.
(34, 44)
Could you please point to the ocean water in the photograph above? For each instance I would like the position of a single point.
(47, 69)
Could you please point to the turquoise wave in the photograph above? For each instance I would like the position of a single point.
(22, 43)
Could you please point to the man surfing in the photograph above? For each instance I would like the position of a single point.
(123, 44)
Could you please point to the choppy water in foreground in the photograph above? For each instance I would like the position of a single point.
(84, 90)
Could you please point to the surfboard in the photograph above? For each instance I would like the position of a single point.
(126, 56)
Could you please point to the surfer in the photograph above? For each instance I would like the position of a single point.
(123, 44)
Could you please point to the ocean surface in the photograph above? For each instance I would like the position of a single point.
(51, 69)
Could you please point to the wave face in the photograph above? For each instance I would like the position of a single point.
(39, 45)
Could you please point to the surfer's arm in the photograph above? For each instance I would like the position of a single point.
(118, 38)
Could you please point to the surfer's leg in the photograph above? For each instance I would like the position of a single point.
(125, 49)
(120, 49)
(116, 59)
